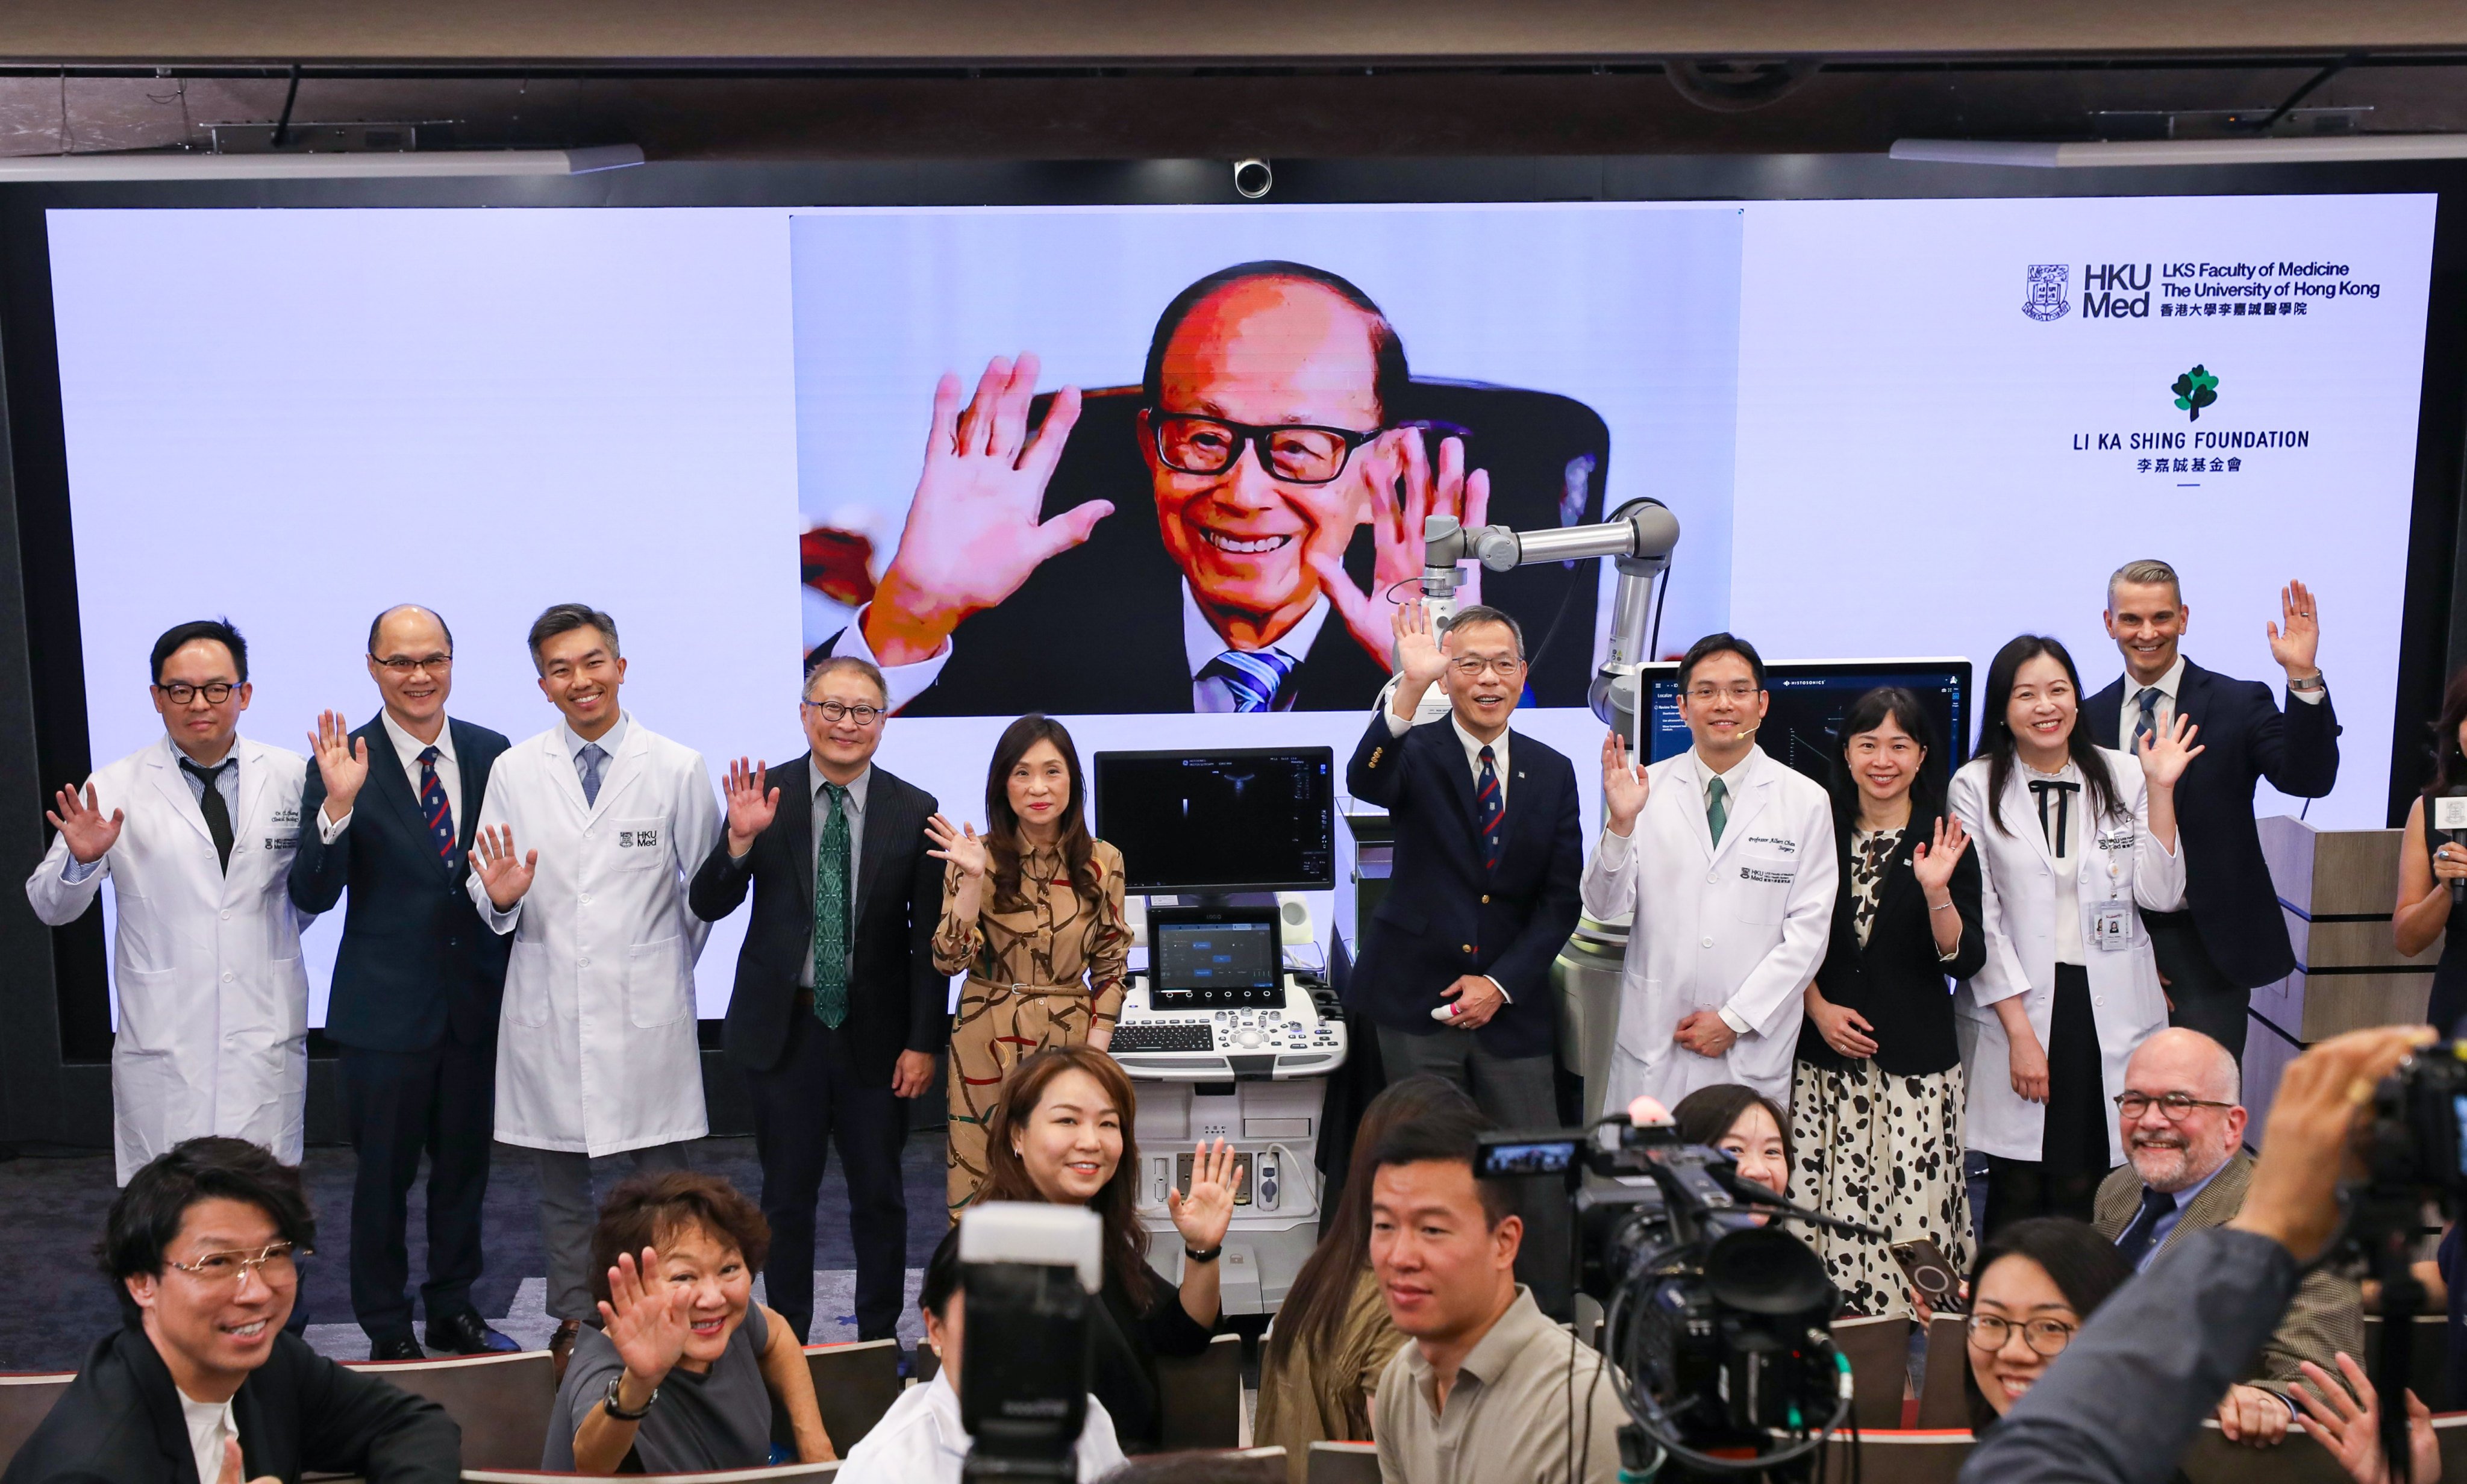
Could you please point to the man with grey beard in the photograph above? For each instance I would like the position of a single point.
(2183, 1123)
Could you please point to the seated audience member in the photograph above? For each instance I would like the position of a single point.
(1320, 1371)
(2184, 1139)
(1741, 1122)
(2350, 1425)
(204, 1384)
(1489, 1388)
(1062, 1134)
(2036, 1282)
(919, 1440)
(681, 1371)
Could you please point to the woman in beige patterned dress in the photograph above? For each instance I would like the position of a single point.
(1032, 913)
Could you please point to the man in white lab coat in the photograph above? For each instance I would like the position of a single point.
(587, 838)
(1725, 857)
(197, 832)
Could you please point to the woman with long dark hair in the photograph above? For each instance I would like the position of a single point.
(1332, 1335)
(1032, 914)
(2430, 862)
(2075, 840)
(2037, 1282)
(1877, 1095)
(1061, 1133)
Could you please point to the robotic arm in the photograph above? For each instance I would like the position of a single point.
(1638, 538)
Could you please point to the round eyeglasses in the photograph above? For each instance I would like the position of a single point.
(272, 1264)
(2174, 1106)
(2046, 1337)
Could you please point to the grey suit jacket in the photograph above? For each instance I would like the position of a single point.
(2327, 1314)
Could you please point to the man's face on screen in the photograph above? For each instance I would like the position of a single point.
(1265, 352)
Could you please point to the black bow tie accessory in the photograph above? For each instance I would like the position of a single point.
(2042, 788)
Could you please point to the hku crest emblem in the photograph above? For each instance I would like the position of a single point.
(2047, 300)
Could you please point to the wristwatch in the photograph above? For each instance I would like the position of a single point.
(2317, 682)
(608, 1403)
(1203, 1255)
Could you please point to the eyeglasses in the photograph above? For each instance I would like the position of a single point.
(180, 692)
(2173, 1105)
(1292, 452)
(838, 710)
(272, 1264)
(1471, 667)
(1744, 690)
(405, 664)
(2048, 1337)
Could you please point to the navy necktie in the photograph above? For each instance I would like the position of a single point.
(592, 756)
(2148, 721)
(1490, 803)
(210, 803)
(2136, 1239)
(433, 808)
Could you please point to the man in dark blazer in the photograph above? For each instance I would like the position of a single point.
(389, 812)
(2230, 938)
(202, 1385)
(1455, 965)
(831, 1061)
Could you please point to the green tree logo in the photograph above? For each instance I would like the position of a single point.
(2196, 390)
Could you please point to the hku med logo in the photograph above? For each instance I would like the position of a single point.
(2046, 298)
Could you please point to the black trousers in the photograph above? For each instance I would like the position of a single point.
(2200, 996)
(396, 1106)
(2072, 1144)
(810, 1101)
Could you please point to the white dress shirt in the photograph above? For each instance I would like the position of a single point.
(1201, 645)
(406, 751)
(920, 1441)
(210, 1424)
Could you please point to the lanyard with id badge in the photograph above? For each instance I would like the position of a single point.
(2111, 922)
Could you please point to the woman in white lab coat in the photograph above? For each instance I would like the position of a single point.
(2074, 841)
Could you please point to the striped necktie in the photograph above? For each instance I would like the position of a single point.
(433, 808)
(1490, 801)
(1256, 677)
(2148, 723)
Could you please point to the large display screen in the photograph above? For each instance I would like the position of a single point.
(1805, 702)
(1257, 819)
(1886, 427)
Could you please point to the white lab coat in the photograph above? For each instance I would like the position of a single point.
(2018, 909)
(596, 1052)
(1739, 925)
(214, 1002)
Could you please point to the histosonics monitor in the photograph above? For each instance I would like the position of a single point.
(1808, 698)
(1258, 818)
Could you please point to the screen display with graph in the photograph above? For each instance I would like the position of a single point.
(1810, 697)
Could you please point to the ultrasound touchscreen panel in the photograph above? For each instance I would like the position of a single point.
(1213, 956)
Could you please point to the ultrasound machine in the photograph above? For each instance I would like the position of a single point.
(1227, 1029)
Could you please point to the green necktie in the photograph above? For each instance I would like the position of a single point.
(831, 914)
(1717, 808)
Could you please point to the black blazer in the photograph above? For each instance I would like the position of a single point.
(1896, 981)
(895, 999)
(414, 957)
(1444, 916)
(2227, 885)
(1124, 1341)
(120, 1422)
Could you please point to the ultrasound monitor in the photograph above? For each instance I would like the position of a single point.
(1803, 717)
(1210, 824)
(1214, 956)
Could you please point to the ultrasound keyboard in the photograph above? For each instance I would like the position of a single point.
(1297, 1039)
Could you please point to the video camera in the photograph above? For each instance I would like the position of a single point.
(1030, 1273)
(1720, 1323)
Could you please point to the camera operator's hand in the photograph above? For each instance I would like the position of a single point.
(2293, 1197)
(2253, 1417)
(1204, 1216)
(2350, 1427)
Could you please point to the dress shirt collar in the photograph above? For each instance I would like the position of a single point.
(408, 748)
(2184, 1196)
(609, 741)
(1491, 1355)
(855, 788)
(1473, 745)
(2170, 685)
(1201, 643)
(1735, 780)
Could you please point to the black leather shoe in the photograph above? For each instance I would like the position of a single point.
(397, 1347)
(467, 1334)
(560, 1346)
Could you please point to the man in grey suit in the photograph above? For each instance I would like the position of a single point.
(2183, 1123)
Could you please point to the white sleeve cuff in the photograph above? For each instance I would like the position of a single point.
(1501, 988)
(905, 682)
(1738, 1025)
(1397, 726)
(2309, 698)
(330, 830)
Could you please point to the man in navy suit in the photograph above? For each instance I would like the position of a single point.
(838, 1013)
(2231, 938)
(417, 979)
(1456, 965)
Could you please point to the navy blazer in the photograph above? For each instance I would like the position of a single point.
(2227, 884)
(414, 958)
(896, 1002)
(1444, 916)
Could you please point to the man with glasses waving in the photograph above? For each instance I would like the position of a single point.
(202, 1385)
(837, 1013)
(195, 831)
(393, 809)
(2182, 1126)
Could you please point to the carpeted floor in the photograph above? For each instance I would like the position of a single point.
(52, 1210)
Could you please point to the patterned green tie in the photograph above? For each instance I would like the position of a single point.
(831, 914)
(1717, 808)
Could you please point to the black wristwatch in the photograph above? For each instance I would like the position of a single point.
(1197, 1255)
(608, 1403)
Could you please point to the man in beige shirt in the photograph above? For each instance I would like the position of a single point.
(1489, 1389)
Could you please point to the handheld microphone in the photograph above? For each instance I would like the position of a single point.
(2450, 818)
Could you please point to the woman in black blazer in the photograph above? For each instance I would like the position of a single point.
(1876, 1100)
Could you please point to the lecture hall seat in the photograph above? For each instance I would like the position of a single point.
(1878, 1351)
(854, 1384)
(501, 1401)
(1343, 1463)
(25, 1400)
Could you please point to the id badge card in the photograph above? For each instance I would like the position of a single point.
(2111, 927)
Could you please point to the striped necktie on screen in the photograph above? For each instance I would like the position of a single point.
(1256, 677)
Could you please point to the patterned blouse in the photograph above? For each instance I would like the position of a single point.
(1871, 854)
(1050, 934)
